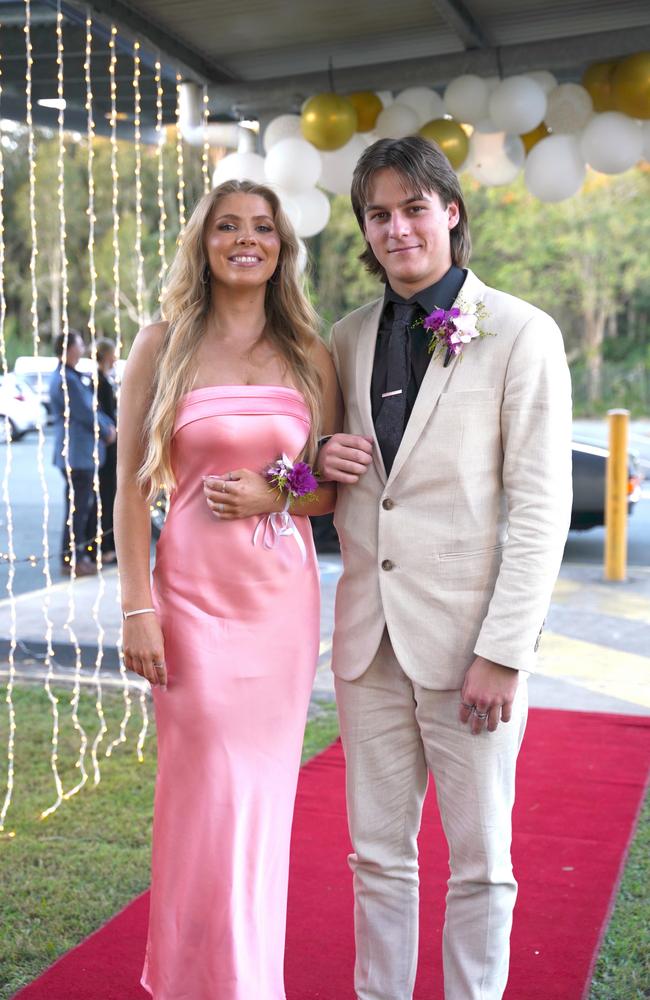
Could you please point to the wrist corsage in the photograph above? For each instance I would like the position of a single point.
(294, 480)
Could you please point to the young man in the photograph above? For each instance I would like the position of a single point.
(453, 511)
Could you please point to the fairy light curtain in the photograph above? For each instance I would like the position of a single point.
(104, 53)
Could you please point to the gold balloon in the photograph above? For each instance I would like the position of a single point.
(631, 85)
(531, 138)
(451, 138)
(328, 121)
(368, 106)
(597, 81)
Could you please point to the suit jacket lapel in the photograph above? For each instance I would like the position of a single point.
(365, 357)
(433, 383)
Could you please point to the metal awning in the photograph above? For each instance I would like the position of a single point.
(263, 57)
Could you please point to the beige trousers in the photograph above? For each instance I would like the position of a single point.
(394, 733)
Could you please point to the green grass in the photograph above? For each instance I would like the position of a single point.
(66, 875)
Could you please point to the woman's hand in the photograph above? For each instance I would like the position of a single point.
(241, 493)
(144, 651)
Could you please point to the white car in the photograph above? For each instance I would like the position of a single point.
(20, 408)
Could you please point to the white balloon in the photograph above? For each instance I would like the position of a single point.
(517, 105)
(314, 212)
(555, 168)
(386, 97)
(495, 158)
(466, 98)
(290, 205)
(645, 132)
(486, 125)
(424, 101)
(293, 164)
(569, 108)
(282, 127)
(338, 166)
(239, 167)
(396, 121)
(545, 79)
(612, 143)
(303, 257)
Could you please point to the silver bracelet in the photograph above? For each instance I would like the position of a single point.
(140, 611)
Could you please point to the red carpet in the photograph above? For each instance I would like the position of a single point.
(581, 781)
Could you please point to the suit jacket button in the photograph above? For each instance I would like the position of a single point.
(387, 503)
(387, 564)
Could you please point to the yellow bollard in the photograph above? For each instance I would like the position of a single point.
(616, 496)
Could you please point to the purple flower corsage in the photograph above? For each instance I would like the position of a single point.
(295, 480)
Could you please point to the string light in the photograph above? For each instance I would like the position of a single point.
(115, 177)
(65, 326)
(139, 285)
(115, 189)
(93, 350)
(162, 214)
(180, 169)
(11, 712)
(205, 157)
(49, 625)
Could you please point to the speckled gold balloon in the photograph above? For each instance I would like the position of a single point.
(451, 138)
(367, 106)
(631, 85)
(597, 81)
(328, 121)
(531, 138)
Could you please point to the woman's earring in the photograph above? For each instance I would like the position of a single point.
(275, 277)
(205, 277)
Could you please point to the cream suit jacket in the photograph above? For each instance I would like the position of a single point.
(458, 549)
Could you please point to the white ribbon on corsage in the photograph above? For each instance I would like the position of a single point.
(274, 526)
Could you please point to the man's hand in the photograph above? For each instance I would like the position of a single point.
(487, 694)
(344, 458)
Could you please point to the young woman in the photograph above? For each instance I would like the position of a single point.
(235, 377)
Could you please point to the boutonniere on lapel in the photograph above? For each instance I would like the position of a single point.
(451, 329)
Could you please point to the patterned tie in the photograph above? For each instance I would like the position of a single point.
(391, 419)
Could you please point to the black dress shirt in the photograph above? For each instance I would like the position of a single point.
(440, 295)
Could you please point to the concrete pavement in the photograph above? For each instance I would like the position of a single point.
(594, 656)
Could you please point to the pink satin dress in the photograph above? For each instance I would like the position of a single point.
(241, 629)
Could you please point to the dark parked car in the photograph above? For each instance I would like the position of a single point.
(589, 462)
(588, 511)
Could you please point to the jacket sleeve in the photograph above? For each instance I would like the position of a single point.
(537, 481)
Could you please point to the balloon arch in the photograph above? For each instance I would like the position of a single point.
(490, 128)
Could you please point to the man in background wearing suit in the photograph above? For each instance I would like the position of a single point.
(74, 450)
(453, 510)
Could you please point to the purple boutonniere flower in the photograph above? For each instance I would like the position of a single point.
(451, 329)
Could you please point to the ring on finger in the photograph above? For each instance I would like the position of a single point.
(481, 715)
(469, 707)
(230, 475)
(220, 508)
(225, 488)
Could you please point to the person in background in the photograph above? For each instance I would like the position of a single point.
(107, 400)
(74, 450)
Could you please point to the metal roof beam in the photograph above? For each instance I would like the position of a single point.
(456, 15)
(196, 66)
(568, 56)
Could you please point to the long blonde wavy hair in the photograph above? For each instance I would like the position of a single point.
(291, 327)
